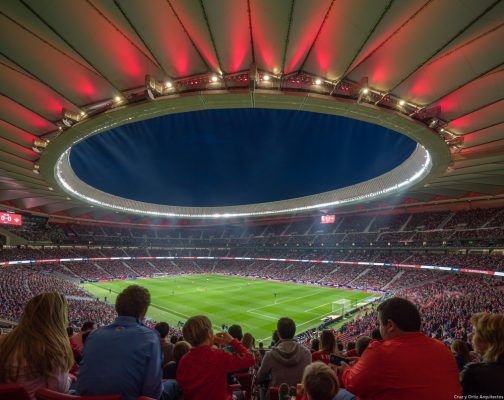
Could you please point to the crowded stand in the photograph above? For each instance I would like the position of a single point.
(446, 299)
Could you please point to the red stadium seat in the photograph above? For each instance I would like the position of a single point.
(13, 391)
(47, 394)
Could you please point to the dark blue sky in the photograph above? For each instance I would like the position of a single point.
(240, 156)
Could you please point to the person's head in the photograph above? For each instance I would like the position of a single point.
(180, 349)
(340, 346)
(327, 341)
(286, 328)
(460, 348)
(133, 302)
(315, 344)
(248, 340)
(174, 339)
(40, 333)
(261, 345)
(198, 331)
(69, 331)
(376, 335)
(350, 346)
(163, 328)
(488, 335)
(236, 332)
(398, 316)
(361, 344)
(320, 382)
(88, 326)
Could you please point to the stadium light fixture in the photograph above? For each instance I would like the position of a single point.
(401, 103)
(266, 77)
(214, 78)
(318, 81)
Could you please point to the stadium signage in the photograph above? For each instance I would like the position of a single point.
(11, 219)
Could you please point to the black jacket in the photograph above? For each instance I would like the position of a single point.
(485, 378)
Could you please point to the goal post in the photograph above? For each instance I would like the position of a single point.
(341, 307)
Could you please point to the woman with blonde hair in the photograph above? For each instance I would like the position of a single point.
(485, 378)
(37, 352)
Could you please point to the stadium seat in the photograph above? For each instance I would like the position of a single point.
(10, 391)
(47, 394)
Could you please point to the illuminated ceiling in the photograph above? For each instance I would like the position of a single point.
(80, 55)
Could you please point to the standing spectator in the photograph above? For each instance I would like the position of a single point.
(285, 362)
(406, 365)
(249, 343)
(166, 347)
(485, 379)
(202, 371)
(328, 344)
(124, 357)
(37, 352)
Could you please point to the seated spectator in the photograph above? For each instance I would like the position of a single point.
(37, 352)
(406, 364)
(315, 345)
(87, 326)
(166, 347)
(170, 370)
(485, 379)
(125, 357)
(320, 383)
(285, 362)
(202, 371)
(461, 352)
(361, 344)
(328, 347)
(350, 350)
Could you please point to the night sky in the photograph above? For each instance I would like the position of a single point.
(240, 156)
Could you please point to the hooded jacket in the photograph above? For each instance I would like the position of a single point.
(284, 363)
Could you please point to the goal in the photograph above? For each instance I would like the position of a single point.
(341, 307)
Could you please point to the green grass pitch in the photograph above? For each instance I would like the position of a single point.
(228, 300)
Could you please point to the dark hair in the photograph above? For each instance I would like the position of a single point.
(174, 339)
(236, 332)
(350, 346)
(286, 328)
(327, 341)
(85, 336)
(70, 331)
(315, 344)
(133, 301)
(340, 346)
(376, 335)
(163, 328)
(402, 312)
(87, 326)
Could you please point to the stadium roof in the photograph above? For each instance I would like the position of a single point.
(436, 65)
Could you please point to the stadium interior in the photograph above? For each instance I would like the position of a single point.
(430, 230)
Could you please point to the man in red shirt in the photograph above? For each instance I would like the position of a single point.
(406, 364)
(202, 371)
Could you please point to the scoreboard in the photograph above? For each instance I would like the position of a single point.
(327, 219)
(10, 219)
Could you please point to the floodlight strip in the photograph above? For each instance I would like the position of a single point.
(415, 168)
(289, 260)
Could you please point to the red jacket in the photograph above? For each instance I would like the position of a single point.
(412, 366)
(201, 373)
(322, 356)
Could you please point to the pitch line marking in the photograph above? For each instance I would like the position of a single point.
(285, 301)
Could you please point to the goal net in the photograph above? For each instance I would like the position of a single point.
(341, 307)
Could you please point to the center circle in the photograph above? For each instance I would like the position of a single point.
(227, 157)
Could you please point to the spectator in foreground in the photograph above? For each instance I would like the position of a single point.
(406, 364)
(202, 371)
(485, 379)
(166, 347)
(320, 383)
(125, 357)
(180, 349)
(37, 352)
(328, 347)
(285, 362)
(461, 353)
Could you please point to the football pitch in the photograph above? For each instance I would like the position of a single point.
(256, 305)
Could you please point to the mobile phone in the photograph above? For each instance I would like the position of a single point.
(337, 360)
